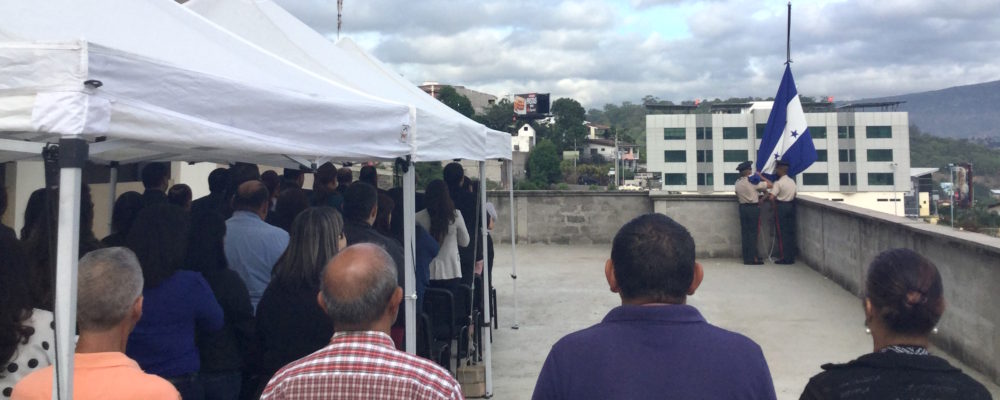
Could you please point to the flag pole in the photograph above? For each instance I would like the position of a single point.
(788, 36)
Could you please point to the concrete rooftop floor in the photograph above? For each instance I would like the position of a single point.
(799, 318)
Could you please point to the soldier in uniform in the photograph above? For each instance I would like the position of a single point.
(748, 195)
(783, 191)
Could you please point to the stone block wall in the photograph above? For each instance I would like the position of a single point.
(567, 217)
(713, 221)
(840, 241)
(584, 217)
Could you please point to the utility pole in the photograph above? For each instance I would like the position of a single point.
(617, 170)
(951, 201)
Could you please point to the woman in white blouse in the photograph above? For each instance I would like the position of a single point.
(447, 226)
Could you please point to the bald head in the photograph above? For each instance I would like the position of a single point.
(360, 289)
(251, 196)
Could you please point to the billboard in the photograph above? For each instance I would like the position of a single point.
(963, 185)
(531, 105)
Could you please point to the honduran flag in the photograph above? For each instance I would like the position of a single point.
(786, 136)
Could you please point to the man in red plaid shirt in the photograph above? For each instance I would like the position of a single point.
(362, 297)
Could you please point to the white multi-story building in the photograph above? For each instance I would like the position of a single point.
(863, 155)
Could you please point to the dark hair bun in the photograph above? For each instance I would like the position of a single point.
(906, 291)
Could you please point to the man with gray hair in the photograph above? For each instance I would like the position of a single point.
(109, 304)
(361, 296)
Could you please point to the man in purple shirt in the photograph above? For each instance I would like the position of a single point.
(654, 346)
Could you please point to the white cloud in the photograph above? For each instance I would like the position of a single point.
(591, 51)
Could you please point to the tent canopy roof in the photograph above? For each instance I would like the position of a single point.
(176, 87)
(440, 133)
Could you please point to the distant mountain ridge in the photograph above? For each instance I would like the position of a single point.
(970, 111)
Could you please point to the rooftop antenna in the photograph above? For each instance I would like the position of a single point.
(340, 15)
(788, 36)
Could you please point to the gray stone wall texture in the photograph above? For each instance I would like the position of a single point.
(584, 217)
(567, 217)
(713, 221)
(840, 241)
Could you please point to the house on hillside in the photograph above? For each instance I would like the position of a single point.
(600, 144)
(604, 150)
(523, 139)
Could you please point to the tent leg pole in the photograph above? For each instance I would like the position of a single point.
(513, 239)
(410, 287)
(112, 192)
(487, 321)
(72, 157)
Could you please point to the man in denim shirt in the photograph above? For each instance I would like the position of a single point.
(654, 346)
(253, 246)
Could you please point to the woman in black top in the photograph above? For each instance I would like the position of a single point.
(225, 353)
(903, 302)
(290, 323)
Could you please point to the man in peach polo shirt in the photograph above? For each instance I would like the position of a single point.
(109, 304)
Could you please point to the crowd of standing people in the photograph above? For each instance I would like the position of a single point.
(263, 289)
(228, 283)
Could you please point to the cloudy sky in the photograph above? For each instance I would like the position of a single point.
(607, 51)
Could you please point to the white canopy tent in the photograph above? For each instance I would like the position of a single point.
(145, 99)
(439, 132)
(157, 93)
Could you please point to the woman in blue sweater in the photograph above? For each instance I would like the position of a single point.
(175, 302)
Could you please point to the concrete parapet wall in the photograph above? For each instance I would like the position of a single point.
(840, 241)
(713, 221)
(584, 217)
(567, 217)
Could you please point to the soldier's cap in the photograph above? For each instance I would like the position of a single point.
(744, 166)
(783, 163)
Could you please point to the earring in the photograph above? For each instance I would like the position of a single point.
(868, 331)
(934, 331)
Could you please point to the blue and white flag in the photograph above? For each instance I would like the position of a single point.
(786, 136)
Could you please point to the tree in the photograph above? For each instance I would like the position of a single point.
(457, 102)
(427, 172)
(568, 129)
(499, 116)
(543, 164)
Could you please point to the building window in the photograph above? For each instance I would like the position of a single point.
(815, 179)
(848, 179)
(674, 134)
(845, 132)
(734, 155)
(760, 130)
(880, 155)
(675, 156)
(880, 179)
(817, 132)
(675, 179)
(821, 156)
(704, 133)
(704, 155)
(730, 179)
(706, 179)
(878, 132)
(734, 133)
(847, 155)
(593, 151)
